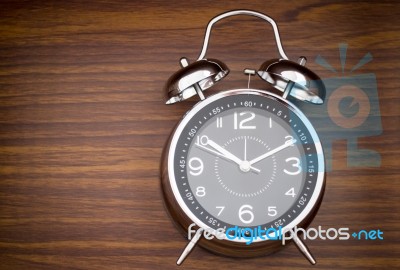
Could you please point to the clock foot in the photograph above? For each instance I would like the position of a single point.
(303, 248)
(190, 246)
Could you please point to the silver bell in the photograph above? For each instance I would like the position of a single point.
(193, 79)
(294, 79)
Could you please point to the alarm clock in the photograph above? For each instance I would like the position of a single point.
(243, 160)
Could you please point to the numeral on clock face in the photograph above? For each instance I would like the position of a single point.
(196, 166)
(290, 192)
(245, 214)
(221, 208)
(201, 191)
(245, 118)
(219, 122)
(202, 140)
(295, 162)
(272, 211)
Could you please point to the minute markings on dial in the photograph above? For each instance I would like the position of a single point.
(239, 150)
(269, 177)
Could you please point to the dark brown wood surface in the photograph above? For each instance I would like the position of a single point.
(82, 127)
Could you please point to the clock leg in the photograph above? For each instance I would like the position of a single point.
(303, 248)
(190, 246)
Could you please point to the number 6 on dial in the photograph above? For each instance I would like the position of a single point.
(248, 213)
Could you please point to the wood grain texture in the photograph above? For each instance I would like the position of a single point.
(82, 127)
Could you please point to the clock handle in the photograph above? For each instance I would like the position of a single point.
(285, 75)
(190, 246)
(303, 248)
(242, 12)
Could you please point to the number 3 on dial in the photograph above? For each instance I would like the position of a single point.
(295, 163)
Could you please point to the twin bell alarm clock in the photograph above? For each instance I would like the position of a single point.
(243, 166)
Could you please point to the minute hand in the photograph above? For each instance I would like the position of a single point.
(224, 152)
(274, 151)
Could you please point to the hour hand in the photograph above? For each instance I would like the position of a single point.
(273, 151)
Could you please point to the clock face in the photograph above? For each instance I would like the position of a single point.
(246, 158)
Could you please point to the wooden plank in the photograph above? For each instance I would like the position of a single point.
(82, 127)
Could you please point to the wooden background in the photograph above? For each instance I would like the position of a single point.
(82, 127)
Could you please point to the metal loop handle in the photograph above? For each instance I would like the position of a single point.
(242, 12)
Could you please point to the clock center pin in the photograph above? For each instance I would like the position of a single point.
(245, 166)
